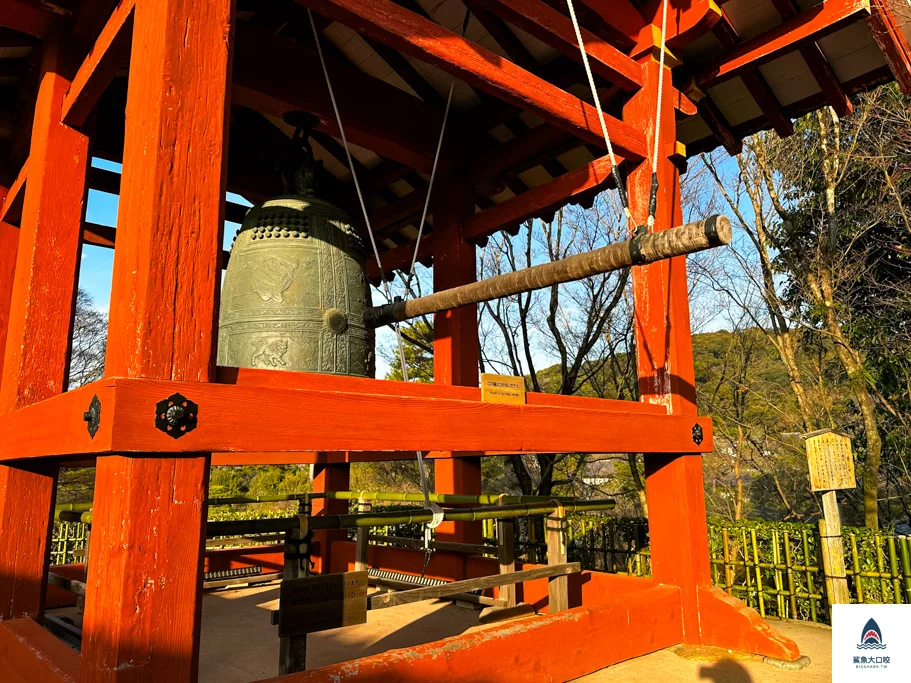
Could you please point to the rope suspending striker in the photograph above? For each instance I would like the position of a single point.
(435, 509)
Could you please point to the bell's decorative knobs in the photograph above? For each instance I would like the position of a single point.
(295, 290)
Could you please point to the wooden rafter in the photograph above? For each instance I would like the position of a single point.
(621, 18)
(538, 200)
(818, 64)
(553, 28)
(513, 47)
(111, 52)
(721, 129)
(807, 27)
(399, 127)
(400, 257)
(756, 82)
(795, 109)
(26, 17)
(480, 68)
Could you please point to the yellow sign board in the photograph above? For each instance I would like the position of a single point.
(830, 460)
(502, 389)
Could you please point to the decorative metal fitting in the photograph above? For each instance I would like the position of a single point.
(176, 415)
(92, 416)
(697, 434)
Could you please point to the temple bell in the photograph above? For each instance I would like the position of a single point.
(295, 289)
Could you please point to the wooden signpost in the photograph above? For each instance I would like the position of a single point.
(831, 465)
(320, 603)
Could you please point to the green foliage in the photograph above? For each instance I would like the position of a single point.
(417, 339)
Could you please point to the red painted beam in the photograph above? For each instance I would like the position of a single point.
(555, 29)
(341, 421)
(565, 645)
(480, 68)
(11, 206)
(110, 53)
(686, 21)
(26, 17)
(755, 82)
(400, 257)
(621, 16)
(818, 64)
(808, 26)
(888, 35)
(31, 654)
(9, 244)
(538, 200)
(719, 126)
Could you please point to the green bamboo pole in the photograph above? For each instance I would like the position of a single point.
(442, 498)
(792, 591)
(726, 554)
(416, 516)
(746, 566)
(73, 516)
(758, 573)
(806, 562)
(73, 507)
(893, 569)
(906, 567)
(883, 584)
(779, 584)
(858, 577)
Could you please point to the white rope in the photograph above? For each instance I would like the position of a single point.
(651, 217)
(433, 174)
(595, 97)
(660, 86)
(433, 507)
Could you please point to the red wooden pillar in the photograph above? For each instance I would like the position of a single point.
(9, 243)
(328, 477)
(674, 486)
(144, 586)
(455, 338)
(39, 269)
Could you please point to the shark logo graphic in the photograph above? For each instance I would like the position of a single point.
(871, 637)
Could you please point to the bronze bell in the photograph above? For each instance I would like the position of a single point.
(295, 289)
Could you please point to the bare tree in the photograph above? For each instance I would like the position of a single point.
(90, 332)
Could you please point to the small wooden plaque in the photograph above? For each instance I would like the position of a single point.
(320, 603)
(830, 460)
(502, 389)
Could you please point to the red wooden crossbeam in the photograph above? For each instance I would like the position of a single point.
(480, 68)
(819, 66)
(111, 52)
(621, 17)
(399, 126)
(11, 206)
(518, 154)
(367, 415)
(26, 17)
(538, 200)
(555, 29)
(755, 82)
(888, 35)
(808, 26)
(400, 257)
